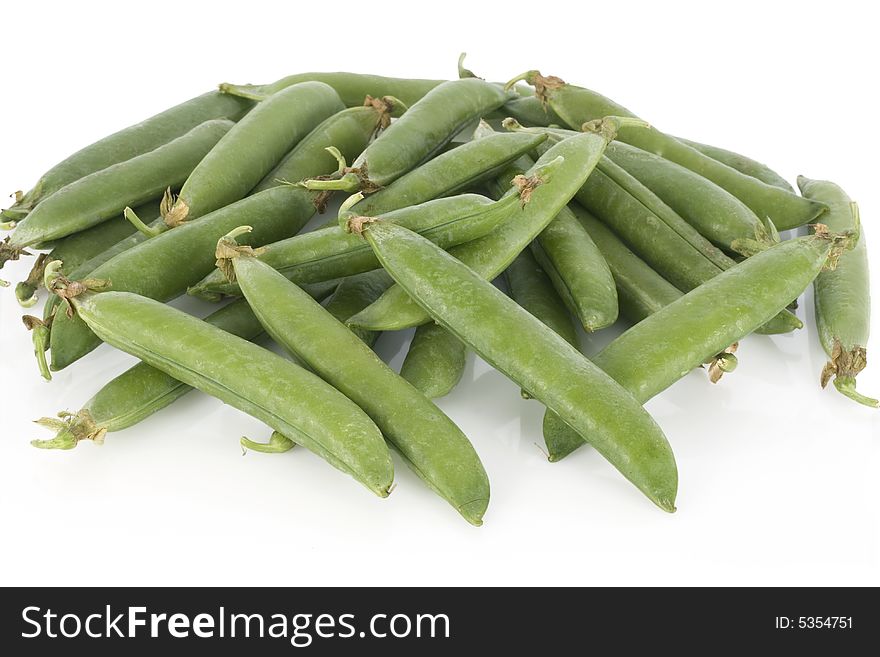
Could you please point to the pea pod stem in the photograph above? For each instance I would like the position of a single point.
(278, 444)
(40, 338)
(150, 231)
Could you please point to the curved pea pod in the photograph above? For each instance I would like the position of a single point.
(421, 133)
(842, 297)
(130, 142)
(448, 173)
(714, 212)
(576, 106)
(104, 194)
(330, 252)
(658, 351)
(530, 111)
(434, 362)
(432, 445)
(356, 293)
(550, 186)
(741, 163)
(254, 380)
(252, 148)
(546, 366)
(351, 87)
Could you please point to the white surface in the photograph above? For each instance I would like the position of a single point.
(779, 479)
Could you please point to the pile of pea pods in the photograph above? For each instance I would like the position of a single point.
(588, 212)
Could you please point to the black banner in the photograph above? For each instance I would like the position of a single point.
(321, 621)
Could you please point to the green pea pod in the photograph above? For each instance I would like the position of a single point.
(165, 266)
(330, 252)
(532, 289)
(104, 194)
(142, 390)
(422, 132)
(252, 149)
(463, 167)
(288, 398)
(351, 87)
(434, 362)
(356, 293)
(76, 249)
(492, 254)
(130, 142)
(432, 445)
(842, 297)
(714, 212)
(741, 163)
(576, 106)
(658, 351)
(530, 111)
(546, 366)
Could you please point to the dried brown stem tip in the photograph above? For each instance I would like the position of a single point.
(173, 210)
(844, 364)
(526, 186)
(358, 224)
(385, 106)
(544, 84)
(71, 428)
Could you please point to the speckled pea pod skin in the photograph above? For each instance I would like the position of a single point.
(450, 172)
(741, 163)
(252, 149)
(658, 351)
(105, 194)
(288, 398)
(331, 252)
(576, 105)
(131, 142)
(356, 293)
(713, 211)
(434, 362)
(432, 445)
(842, 297)
(492, 254)
(546, 366)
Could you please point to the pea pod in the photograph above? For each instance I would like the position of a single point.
(332, 253)
(741, 163)
(421, 133)
(842, 297)
(434, 362)
(576, 105)
(428, 440)
(104, 194)
(546, 366)
(356, 293)
(288, 398)
(130, 142)
(164, 266)
(252, 148)
(714, 212)
(658, 351)
(492, 254)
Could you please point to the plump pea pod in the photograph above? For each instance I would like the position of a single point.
(546, 366)
(741, 163)
(351, 87)
(434, 362)
(348, 131)
(331, 252)
(714, 212)
(576, 105)
(252, 148)
(463, 167)
(130, 142)
(104, 194)
(641, 291)
(141, 390)
(491, 255)
(79, 248)
(652, 238)
(842, 297)
(164, 266)
(422, 132)
(356, 293)
(657, 352)
(532, 289)
(432, 445)
(288, 398)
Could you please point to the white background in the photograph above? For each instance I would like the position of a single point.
(779, 479)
